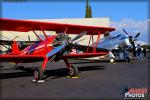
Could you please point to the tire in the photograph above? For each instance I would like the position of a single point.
(73, 71)
(38, 74)
(112, 60)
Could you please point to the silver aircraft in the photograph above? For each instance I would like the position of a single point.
(120, 46)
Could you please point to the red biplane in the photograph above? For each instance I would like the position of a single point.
(52, 48)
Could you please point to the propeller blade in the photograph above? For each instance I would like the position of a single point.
(79, 36)
(135, 39)
(56, 50)
(29, 39)
(64, 44)
(79, 41)
(126, 32)
(12, 40)
(134, 48)
(137, 35)
(134, 51)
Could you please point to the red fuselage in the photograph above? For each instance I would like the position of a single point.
(40, 47)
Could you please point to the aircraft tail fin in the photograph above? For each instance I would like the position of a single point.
(15, 47)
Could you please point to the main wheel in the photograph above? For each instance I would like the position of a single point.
(73, 71)
(38, 74)
(112, 60)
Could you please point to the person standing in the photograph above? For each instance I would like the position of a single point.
(139, 52)
(144, 52)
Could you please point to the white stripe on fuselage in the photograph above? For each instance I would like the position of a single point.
(41, 46)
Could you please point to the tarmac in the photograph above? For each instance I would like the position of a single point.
(97, 80)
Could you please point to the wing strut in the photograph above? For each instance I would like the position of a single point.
(89, 43)
(97, 41)
(44, 32)
(91, 37)
(37, 36)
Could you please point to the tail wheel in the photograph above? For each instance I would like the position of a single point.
(73, 71)
(38, 74)
(112, 60)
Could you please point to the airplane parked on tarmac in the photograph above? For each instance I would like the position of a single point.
(52, 48)
(118, 46)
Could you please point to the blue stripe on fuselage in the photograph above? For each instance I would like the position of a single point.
(32, 47)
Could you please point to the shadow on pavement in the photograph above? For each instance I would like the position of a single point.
(55, 73)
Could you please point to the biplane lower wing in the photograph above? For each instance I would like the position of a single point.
(90, 48)
(85, 55)
(20, 58)
(35, 58)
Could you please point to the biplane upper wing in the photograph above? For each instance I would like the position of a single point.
(90, 48)
(26, 25)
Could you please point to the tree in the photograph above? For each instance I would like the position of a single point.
(88, 13)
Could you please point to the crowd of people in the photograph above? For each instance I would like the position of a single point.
(139, 54)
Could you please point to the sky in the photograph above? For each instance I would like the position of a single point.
(133, 16)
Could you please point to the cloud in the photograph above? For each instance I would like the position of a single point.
(132, 27)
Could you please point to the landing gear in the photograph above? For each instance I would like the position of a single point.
(73, 71)
(112, 60)
(38, 74)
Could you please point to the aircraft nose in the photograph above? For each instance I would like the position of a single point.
(128, 42)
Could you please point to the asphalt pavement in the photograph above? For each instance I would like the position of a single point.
(97, 80)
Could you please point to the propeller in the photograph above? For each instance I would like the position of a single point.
(79, 36)
(12, 40)
(56, 50)
(64, 43)
(29, 39)
(126, 32)
(132, 40)
(137, 35)
(24, 44)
